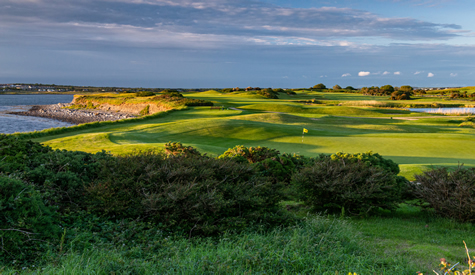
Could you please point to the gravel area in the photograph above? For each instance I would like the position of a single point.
(74, 116)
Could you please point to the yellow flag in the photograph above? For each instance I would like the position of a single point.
(305, 131)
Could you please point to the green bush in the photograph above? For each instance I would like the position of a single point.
(350, 186)
(251, 154)
(15, 153)
(25, 222)
(268, 93)
(144, 94)
(269, 162)
(451, 193)
(198, 195)
(177, 148)
(63, 175)
(370, 159)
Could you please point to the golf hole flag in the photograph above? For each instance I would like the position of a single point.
(304, 132)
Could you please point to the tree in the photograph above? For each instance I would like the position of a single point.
(336, 87)
(349, 88)
(320, 86)
(406, 89)
(387, 89)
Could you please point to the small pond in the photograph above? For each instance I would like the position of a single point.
(445, 111)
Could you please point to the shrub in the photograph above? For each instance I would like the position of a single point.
(370, 159)
(144, 94)
(15, 153)
(177, 148)
(25, 222)
(251, 154)
(353, 187)
(268, 93)
(279, 167)
(198, 195)
(63, 174)
(451, 193)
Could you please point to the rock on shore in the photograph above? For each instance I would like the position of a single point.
(74, 116)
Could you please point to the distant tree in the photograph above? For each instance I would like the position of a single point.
(387, 89)
(400, 95)
(406, 89)
(319, 86)
(226, 90)
(349, 88)
(336, 87)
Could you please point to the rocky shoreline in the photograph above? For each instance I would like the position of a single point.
(73, 116)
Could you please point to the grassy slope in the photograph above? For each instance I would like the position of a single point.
(415, 144)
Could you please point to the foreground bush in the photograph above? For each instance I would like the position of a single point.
(195, 194)
(59, 173)
(279, 167)
(451, 193)
(336, 186)
(25, 222)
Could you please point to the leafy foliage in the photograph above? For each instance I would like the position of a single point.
(199, 195)
(370, 159)
(320, 86)
(177, 149)
(252, 154)
(352, 186)
(450, 193)
(60, 174)
(144, 94)
(269, 93)
(25, 222)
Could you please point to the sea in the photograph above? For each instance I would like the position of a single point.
(18, 124)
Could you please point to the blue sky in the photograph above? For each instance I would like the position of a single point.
(229, 43)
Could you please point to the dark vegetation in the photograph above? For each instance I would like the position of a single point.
(50, 197)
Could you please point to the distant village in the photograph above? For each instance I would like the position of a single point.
(51, 88)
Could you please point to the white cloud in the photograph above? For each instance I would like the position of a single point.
(364, 73)
(345, 75)
(386, 73)
(430, 75)
(453, 74)
(323, 76)
(418, 72)
(397, 73)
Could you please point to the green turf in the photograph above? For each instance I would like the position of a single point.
(413, 140)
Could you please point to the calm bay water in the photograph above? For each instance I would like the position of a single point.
(447, 111)
(13, 123)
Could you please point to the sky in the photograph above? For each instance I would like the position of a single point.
(238, 43)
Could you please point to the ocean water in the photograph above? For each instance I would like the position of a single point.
(16, 124)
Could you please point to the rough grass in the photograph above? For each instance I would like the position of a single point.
(320, 245)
